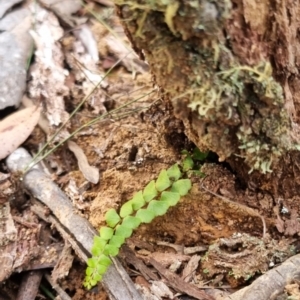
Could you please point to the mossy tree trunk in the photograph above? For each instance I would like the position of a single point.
(230, 70)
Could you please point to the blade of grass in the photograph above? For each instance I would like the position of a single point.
(77, 108)
(46, 292)
(116, 110)
(37, 158)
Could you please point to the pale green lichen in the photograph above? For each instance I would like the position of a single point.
(250, 102)
(239, 107)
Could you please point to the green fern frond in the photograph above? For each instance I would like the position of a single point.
(155, 200)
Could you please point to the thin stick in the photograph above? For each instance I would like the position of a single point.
(63, 295)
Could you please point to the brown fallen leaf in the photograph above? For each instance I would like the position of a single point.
(16, 128)
(189, 270)
(89, 172)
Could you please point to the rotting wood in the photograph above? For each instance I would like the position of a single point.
(272, 283)
(116, 281)
(64, 263)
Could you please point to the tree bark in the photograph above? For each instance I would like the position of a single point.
(230, 70)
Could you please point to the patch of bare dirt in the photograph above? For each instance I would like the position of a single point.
(221, 236)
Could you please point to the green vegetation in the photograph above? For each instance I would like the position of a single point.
(155, 200)
(192, 161)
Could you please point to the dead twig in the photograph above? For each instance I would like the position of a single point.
(138, 264)
(116, 281)
(63, 295)
(25, 223)
(179, 284)
(30, 285)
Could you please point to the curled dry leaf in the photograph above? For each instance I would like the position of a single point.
(89, 172)
(16, 128)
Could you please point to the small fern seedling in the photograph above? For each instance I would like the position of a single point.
(192, 163)
(155, 200)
